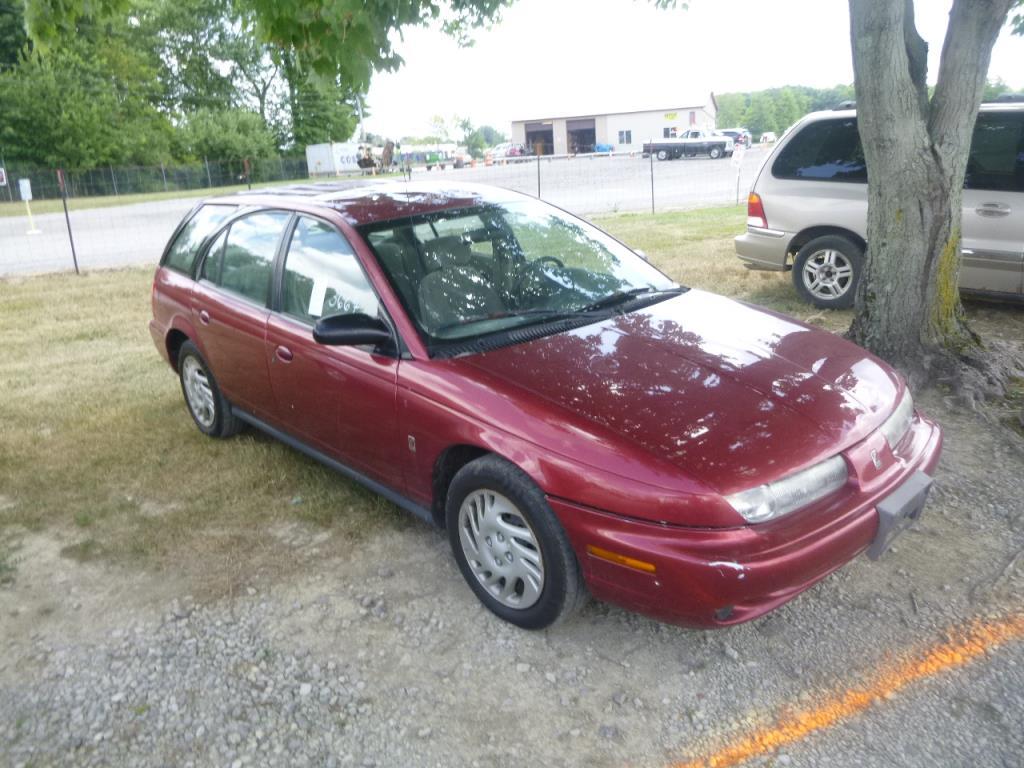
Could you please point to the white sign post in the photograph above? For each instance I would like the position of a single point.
(737, 163)
(25, 190)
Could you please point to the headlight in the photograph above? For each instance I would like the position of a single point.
(896, 426)
(767, 502)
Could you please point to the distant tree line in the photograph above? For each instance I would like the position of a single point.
(169, 81)
(776, 109)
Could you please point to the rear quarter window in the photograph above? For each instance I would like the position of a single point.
(997, 153)
(826, 150)
(181, 256)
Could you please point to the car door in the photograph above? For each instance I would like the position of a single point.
(340, 400)
(993, 206)
(230, 307)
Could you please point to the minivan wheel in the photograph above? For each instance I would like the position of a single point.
(209, 409)
(715, 152)
(826, 271)
(510, 547)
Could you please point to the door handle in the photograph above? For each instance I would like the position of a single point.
(204, 317)
(284, 354)
(993, 209)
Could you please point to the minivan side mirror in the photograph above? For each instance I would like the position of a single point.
(350, 330)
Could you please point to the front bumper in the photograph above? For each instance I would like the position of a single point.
(763, 248)
(706, 577)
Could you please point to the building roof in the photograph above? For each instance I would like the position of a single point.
(695, 102)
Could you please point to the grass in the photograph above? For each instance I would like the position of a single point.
(96, 445)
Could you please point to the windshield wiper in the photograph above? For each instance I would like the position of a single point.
(621, 297)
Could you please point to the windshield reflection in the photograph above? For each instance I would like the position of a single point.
(481, 270)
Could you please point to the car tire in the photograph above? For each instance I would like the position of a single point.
(209, 409)
(510, 547)
(826, 271)
(662, 154)
(715, 152)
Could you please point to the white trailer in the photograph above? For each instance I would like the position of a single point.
(332, 159)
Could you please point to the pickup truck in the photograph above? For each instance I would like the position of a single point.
(692, 143)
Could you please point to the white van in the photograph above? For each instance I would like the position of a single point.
(807, 211)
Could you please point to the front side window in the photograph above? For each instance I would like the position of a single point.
(182, 253)
(997, 153)
(471, 272)
(827, 150)
(322, 276)
(244, 263)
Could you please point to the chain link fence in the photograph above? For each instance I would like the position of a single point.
(123, 216)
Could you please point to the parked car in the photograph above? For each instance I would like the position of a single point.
(739, 136)
(506, 149)
(807, 209)
(567, 413)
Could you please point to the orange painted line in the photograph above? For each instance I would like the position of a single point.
(967, 645)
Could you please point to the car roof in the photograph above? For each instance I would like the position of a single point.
(367, 202)
(987, 106)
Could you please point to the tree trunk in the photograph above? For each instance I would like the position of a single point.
(908, 305)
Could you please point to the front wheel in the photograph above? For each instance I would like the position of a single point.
(509, 545)
(826, 271)
(715, 152)
(209, 409)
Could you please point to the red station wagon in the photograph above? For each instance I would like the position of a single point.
(573, 418)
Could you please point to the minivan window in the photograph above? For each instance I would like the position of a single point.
(322, 276)
(827, 150)
(182, 254)
(247, 259)
(997, 153)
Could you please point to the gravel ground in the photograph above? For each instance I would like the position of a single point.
(378, 655)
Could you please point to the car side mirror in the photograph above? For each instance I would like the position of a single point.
(351, 331)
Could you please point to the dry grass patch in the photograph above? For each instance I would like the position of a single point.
(96, 444)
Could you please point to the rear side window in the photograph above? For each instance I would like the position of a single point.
(244, 264)
(827, 150)
(997, 153)
(322, 276)
(182, 253)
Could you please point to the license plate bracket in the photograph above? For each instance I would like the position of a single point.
(898, 510)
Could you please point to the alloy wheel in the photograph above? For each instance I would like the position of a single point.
(501, 549)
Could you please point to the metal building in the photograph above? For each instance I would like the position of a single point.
(624, 131)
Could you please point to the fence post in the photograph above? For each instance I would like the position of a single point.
(3, 164)
(538, 177)
(209, 181)
(163, 172)
(67, 216)
(651, 155)
(113, 178)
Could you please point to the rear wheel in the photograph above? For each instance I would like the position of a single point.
(662, 154)
(209, 409)
(715, 152)
(509, 545)
(826, 271)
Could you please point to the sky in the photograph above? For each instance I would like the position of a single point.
(549, 58)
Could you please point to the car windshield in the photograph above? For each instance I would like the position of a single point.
(471, 272)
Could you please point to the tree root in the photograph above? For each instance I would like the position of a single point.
(973, 375)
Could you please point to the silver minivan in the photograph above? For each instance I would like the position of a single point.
(807, 210)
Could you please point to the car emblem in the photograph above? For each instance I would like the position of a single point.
(875, 460)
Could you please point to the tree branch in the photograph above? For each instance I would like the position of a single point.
(973, 28)
(917, 56)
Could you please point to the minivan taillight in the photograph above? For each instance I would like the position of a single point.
(755, 212)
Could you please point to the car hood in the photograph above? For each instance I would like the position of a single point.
(730, 394)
